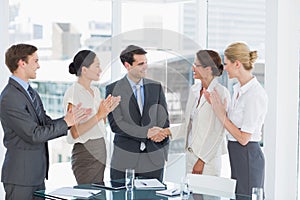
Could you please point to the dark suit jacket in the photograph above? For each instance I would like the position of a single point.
(131, 128)
(25, 137)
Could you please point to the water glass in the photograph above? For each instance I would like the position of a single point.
(257, 193)
(129, 195)
(184, 188)
(129, 179)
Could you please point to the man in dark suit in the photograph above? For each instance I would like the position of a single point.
(26, 126)
(140, 122)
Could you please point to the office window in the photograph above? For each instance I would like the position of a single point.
(60, 34)
(59, 29)
(233, 21)
(171, 39)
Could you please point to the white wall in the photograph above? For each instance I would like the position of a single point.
(3, 42)
(4, 71)
(282, 85)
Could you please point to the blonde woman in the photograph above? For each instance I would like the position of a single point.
(203, 132)
(245, 118)
(89, 149)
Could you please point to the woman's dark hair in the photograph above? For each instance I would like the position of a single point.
(82, 58)
(212, 59)
(18, 52)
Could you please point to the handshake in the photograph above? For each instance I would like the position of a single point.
(158, 134)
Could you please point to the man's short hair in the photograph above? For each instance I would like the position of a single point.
(128, 53)
(18, 52)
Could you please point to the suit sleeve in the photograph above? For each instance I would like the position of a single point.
(163, 115)
(16, 118)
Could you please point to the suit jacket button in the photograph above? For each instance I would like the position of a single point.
(190, 149)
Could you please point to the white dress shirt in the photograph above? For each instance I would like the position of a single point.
(248, 109)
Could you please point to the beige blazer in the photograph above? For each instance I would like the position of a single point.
(208, 134)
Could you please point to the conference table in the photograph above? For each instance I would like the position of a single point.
(123, 194)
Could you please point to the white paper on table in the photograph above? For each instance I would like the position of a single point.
(74, 192)
(148, 184)
(169, 192)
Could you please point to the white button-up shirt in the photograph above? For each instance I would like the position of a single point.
(76, 94)
(248, 109)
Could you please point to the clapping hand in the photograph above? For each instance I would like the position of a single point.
(217, 105)
(75, 114)
(107, 105)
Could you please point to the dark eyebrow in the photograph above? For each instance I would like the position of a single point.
(142, 63)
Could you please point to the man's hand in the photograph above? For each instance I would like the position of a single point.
(75, 114)
(158, 134)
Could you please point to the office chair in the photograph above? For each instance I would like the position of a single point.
(212, 185)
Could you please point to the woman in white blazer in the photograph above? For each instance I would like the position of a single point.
(204, 134)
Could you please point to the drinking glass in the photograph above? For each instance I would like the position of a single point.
(257, 193)
(184, 188)
(129, 179)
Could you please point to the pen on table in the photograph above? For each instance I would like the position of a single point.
(95, 194)
(145, 184)
(173, 191)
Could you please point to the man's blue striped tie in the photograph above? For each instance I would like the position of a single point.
(35, 100)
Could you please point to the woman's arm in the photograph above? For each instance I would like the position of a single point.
(242, 137)
(220, 110)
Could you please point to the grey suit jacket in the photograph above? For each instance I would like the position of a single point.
(25, 137)
(130, 127)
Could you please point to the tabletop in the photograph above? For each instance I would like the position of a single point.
(123, 194)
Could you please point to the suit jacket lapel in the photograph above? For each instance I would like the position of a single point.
(210, 88)
(202, 101)
(147, 95)
(22, 90)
